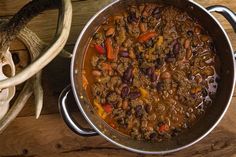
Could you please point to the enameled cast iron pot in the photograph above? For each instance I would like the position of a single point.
(198, 131)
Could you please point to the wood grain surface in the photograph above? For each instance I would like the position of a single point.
(49, 136)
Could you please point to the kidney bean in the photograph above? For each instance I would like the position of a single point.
(125, 104)
(176, 48)
(96, 73)
(134, 95)
(128, 74)
(125, 92)
(165, 75)
(187, 43)
(124, 54)
(139, 111)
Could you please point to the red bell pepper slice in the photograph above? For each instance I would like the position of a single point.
(110, 51)
(107, 108)
(99, 49)
(164, 128)
(145, 37)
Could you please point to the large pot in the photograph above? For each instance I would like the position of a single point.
(198, 131)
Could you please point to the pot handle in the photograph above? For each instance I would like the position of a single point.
(68, 118)
(226, 12)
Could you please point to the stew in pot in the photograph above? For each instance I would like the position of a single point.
(151, 71)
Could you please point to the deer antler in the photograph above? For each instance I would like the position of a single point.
(51, 52)
(35, 46)
(10, 30)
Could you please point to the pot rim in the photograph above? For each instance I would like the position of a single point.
(76, 95)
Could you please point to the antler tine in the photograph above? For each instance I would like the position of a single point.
(35, 47)
(11, 29)
(17, 106)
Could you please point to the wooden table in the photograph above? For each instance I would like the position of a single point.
(49, 136)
